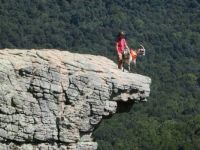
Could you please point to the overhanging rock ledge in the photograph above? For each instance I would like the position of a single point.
(53, 100)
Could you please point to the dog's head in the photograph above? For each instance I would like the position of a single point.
(141, 51)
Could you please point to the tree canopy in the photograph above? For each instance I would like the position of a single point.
(170, 32)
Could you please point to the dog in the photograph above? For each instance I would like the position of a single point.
(129, 55)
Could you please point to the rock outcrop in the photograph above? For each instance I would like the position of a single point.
(52, 99)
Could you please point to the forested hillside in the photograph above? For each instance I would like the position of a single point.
(169, 30)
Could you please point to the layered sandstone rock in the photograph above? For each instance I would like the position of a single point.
(52, 99)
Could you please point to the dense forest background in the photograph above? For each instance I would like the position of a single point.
(170, 31)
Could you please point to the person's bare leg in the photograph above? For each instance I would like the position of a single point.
(119, 61)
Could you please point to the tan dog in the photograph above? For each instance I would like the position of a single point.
(129, 55)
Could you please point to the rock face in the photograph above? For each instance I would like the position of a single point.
(53, 100)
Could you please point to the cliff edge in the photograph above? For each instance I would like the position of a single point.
(53, 100)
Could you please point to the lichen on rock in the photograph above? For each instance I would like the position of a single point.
(51, 99)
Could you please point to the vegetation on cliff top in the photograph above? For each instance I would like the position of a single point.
(170, 31)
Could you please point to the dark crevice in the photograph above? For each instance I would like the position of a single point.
(120, 91)
(34, 142)
(57, 126)
(31, 90)
(26, 71)
(1, 112)
(132, 91)
(90, 108)
(13, 103)
(9, 80)
(22, 73)
(82, 133)
(79, 90)
(107, 116)
(124, 106)
(66, 102)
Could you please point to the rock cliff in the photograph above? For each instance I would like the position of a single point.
(53, 100)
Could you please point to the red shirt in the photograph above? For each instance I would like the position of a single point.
(121, 44)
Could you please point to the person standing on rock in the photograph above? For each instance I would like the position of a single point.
(121, 45)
